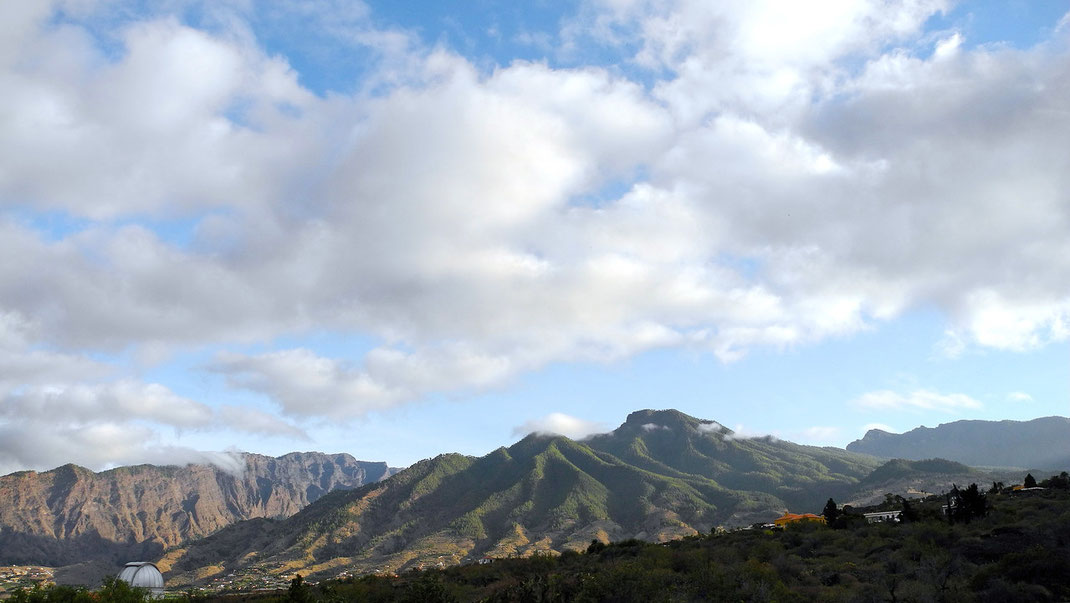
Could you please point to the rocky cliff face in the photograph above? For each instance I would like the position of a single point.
(71, 514)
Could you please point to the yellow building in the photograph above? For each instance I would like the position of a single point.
(793, 517)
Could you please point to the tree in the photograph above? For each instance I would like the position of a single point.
(964, 505)
(428, 589)
(298, 590)
(975, 501)
(909, 514)
(831, 512)
(52, 593)
(1030, 481)
(1058, 482)
(119, 591)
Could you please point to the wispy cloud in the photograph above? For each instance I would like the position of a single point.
(654, 427)
(1019, 397)
(561, 424)
(916, 400)
(741, 432)
(821, 434)
(711, 427)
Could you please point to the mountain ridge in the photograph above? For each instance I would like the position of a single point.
(1042, 443)
(658, 477)
(71, 514)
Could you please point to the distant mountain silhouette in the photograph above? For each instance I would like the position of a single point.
(1038, 444)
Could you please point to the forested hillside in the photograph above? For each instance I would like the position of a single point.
(662, 475)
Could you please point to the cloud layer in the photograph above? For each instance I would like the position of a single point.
(750, 176)
(916, 400)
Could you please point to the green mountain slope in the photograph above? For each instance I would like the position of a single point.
(673, 442)
(918, 479)
(904, 469)
(542, 493)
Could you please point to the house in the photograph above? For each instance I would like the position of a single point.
(794, 518)
(884, 516)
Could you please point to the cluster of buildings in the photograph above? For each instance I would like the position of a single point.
(14, 577)
(251, 580)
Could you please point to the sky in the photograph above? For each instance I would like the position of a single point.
(400, 229)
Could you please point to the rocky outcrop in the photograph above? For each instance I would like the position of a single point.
(71, 514)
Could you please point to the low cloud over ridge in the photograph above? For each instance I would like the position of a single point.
(558, 423)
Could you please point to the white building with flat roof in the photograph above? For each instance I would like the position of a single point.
(883, 516)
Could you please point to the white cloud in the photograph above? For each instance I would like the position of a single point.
(743, 433)
(993, 320)
(307, 384)
(763, 56)
(1019, 397)
(251, 420)
(916, 400)
(100, 424)
(819, 434)
(788, 175)
(98, 446)
(27, 367)
(120, 401)
(561, 424)
(711, 427)
(428, 254)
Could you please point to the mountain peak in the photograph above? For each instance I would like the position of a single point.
(667, 418)
(670, 419)
(534, 443)
(876, 434)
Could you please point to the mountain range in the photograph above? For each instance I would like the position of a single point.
(661, 475)
(71, 514)
(1038, 444)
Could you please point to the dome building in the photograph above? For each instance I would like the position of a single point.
(143, 574)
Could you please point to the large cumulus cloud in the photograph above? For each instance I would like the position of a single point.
(767, 179)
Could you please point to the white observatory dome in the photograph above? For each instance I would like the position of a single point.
(143, 574)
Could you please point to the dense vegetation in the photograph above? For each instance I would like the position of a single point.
(112, 590)
(1001, 545)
